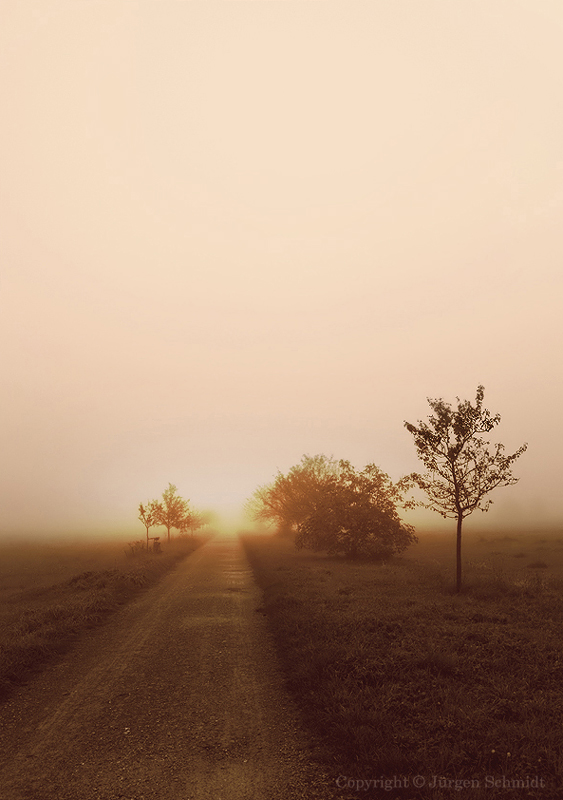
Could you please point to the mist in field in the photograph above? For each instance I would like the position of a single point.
(237, 233)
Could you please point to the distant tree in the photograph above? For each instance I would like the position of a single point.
(461, 469)
(333, 508)
(149, 516)
(192, 522)
(172, 510)
(357, 516)
(291, 498)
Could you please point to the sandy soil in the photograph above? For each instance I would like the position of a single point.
(178, 697)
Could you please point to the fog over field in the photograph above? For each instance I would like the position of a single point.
(235, 233)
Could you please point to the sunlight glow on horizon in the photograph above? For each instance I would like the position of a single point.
(234, 234)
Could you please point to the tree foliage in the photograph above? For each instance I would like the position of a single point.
(172, 511)
(149, 515)
(333, 508)
(462, 467)
(357, 516)
(192, 522)
(291, 498)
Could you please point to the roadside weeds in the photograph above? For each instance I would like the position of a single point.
(37, 624)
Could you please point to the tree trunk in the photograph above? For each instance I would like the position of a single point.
(458, 553)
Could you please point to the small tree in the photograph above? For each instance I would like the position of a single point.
(149, 516)
(172, 510)
(357, 516)
(461, 469)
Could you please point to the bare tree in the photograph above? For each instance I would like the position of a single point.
(461, 469)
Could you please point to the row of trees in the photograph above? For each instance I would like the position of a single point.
(171, 512)
(331, 507)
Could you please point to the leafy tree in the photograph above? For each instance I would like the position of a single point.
(357, 516)
(149, 516)
(172, 510)
(461, 469)
(292, 497)
(332, 507)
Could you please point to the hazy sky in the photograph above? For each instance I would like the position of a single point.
(236, 232)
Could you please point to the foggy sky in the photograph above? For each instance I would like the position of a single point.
(233, 233)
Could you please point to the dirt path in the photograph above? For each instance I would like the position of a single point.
(178, 697)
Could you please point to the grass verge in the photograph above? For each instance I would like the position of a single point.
(399, 677)
(39, 623)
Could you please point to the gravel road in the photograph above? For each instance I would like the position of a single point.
(177, 697)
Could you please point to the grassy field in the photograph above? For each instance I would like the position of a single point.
(50, 593)
(406, 682)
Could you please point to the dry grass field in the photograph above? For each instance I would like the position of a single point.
(400, 677)
(50, 593)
